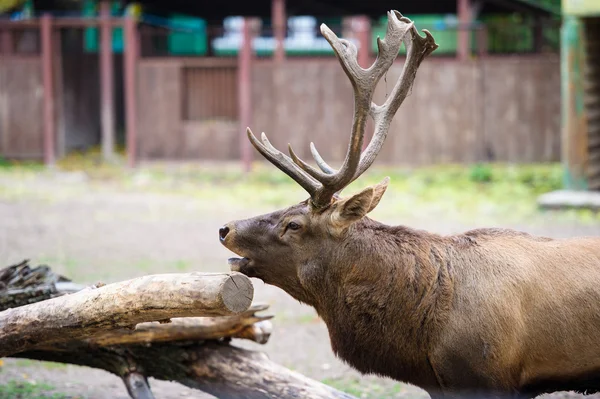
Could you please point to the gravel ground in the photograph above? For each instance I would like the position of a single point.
(109, 236)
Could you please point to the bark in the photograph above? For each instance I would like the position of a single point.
(123, 305)
(217, 368)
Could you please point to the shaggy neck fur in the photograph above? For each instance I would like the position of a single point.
(387, 291)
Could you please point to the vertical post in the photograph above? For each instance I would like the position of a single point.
(361, 25)
(6, 42)
(106, 83)
(574, 132)
(130, 59)
(48, 82)
(245, 93)
(482, 41)
(279, 23)
(538, 34)
(463, 48)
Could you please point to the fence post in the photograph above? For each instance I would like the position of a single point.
(245, 93)
(279, 28)
(574, 135)
(106, 83)
(463, 49)
(130, 59)
(482, 41)
(48, 83)
(6, 42)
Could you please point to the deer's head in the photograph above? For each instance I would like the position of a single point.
(281, 246)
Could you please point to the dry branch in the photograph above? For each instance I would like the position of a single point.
(217, 368)
(246, 325)
(123, 305)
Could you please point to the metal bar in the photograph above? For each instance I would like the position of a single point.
(245, 93)
(87, 22)
(279, 28)
(61, 23)
(130, 59)
(107, 109)
(48, 82)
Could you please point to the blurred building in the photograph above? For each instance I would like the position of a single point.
(179, 80)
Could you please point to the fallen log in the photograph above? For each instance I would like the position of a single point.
(123, 305)
(148, 327)
(217, 368)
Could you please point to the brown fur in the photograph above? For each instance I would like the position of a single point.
(488, 312)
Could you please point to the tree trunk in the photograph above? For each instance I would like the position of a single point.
(123, 305)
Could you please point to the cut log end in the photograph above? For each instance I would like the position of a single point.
(237, 293)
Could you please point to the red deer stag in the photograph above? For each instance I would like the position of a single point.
(489, 312)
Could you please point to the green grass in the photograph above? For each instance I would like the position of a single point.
(360, 389)
(37, 363)
(29, 390)
(485, 193)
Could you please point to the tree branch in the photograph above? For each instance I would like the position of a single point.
(245, 325)
(217, 368)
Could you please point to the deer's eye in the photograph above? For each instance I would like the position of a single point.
(293, 226)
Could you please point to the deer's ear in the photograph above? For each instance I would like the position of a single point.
(354, 208)
(378, 191)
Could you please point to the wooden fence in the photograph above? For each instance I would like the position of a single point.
(188, 108)
(504, 109)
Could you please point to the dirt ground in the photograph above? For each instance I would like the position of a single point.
(108, 235)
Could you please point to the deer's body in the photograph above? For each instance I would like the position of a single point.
(488, 312)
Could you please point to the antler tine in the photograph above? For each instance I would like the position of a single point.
(417, 48)
(364, 82)
(320, 161)
(283, 163)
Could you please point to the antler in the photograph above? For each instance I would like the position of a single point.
(324, 183)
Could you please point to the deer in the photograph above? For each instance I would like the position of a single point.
(489, 312)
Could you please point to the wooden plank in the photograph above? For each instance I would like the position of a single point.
(592, 99)
(519, 110)
(159, 103)
(80, 100)
(22, 107)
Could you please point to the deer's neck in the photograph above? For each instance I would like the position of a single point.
(387, 292)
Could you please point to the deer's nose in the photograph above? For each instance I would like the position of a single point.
(223, 231)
